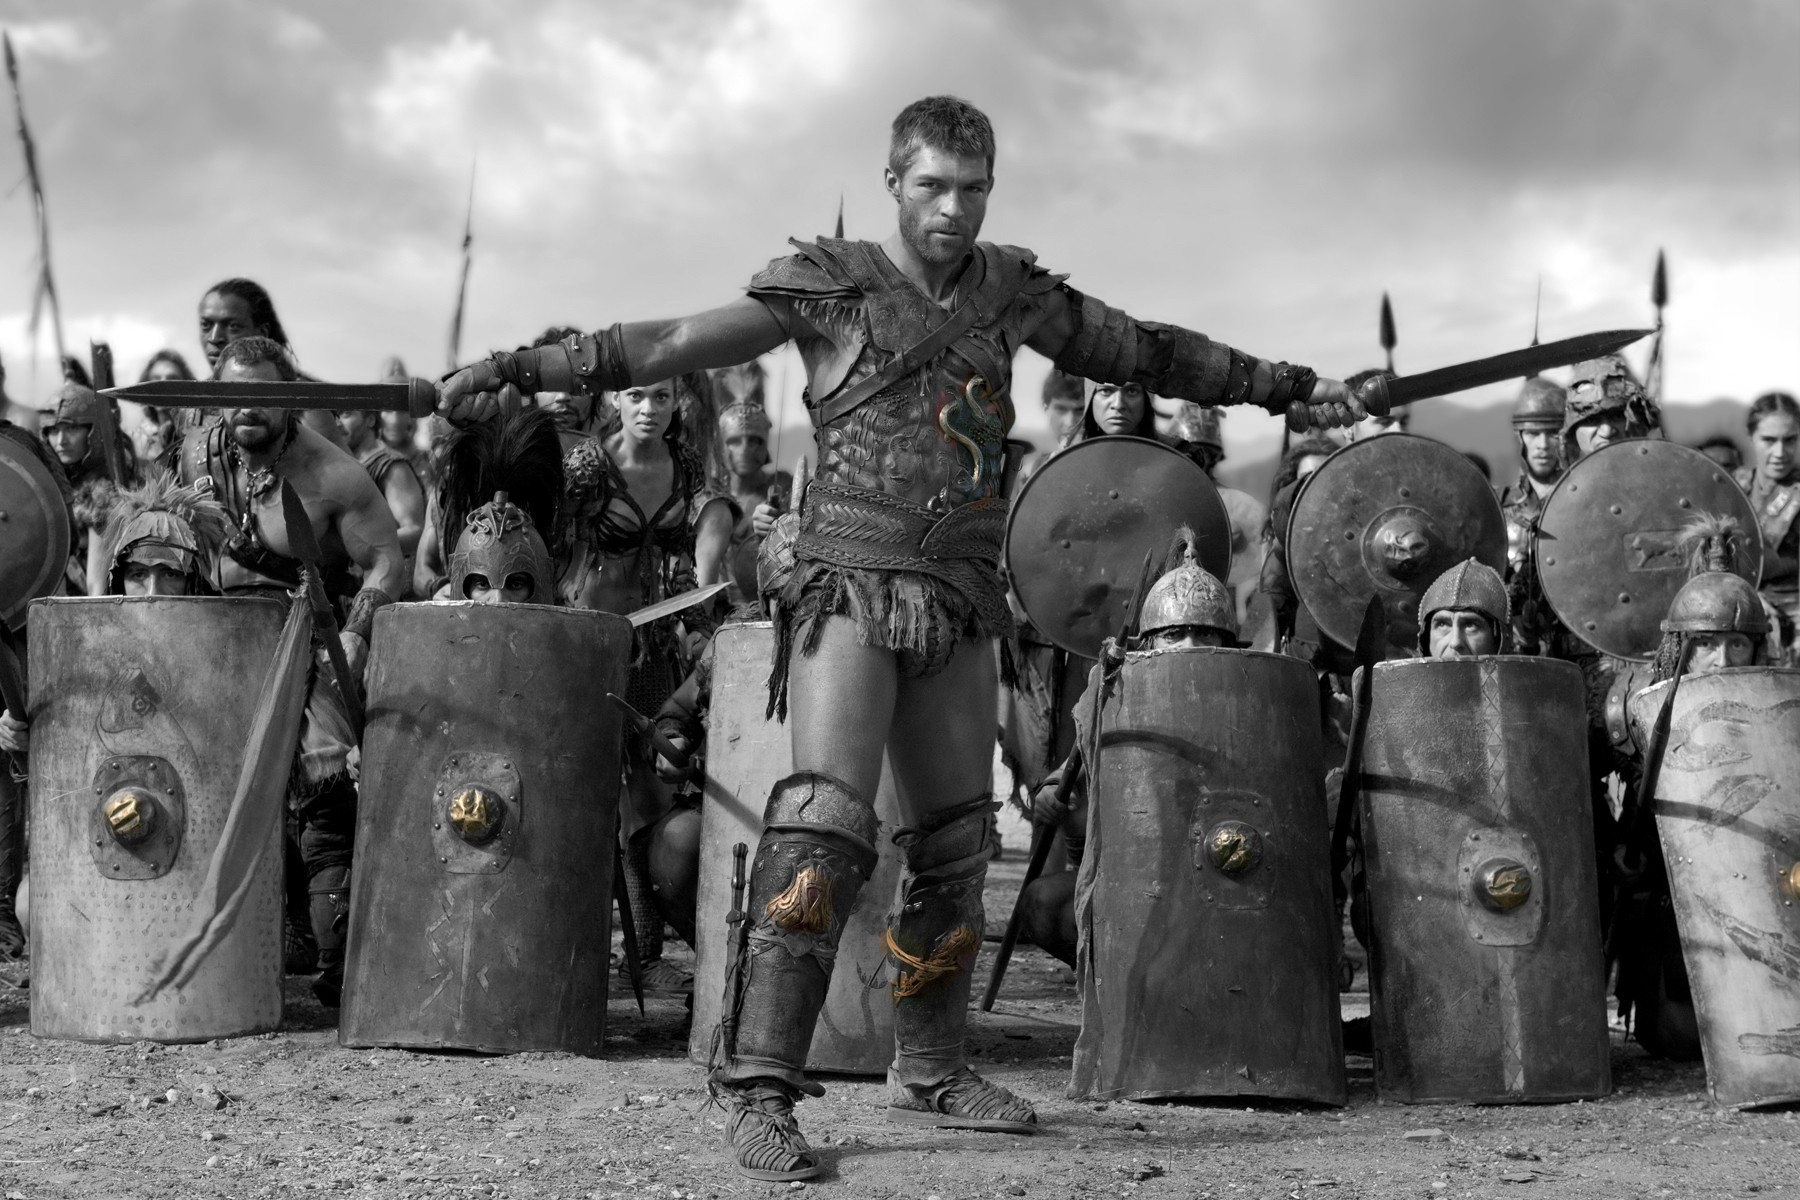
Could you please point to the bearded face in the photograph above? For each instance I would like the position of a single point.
(942, 200)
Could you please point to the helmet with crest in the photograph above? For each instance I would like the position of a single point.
(162, 523)
(1188, 595)
(498, 497)
(1715, 599)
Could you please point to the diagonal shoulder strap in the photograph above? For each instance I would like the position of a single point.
(929, 347)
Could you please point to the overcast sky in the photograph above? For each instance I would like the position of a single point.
(1261, 172)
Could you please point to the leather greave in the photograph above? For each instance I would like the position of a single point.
(934, 938)
(817, 851)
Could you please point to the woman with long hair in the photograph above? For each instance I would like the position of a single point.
(1772, 481)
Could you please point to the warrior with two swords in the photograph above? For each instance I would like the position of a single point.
(888, 618)
(246, 461)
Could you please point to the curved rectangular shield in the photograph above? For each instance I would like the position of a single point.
(1208, 936)
(1486, 972)
(140, 711)
(1728, 813)
(746, 755)
(481, 898)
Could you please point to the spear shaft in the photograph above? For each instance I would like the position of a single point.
(462, 284)
(45, 292)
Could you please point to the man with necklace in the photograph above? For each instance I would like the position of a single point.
(244, 460)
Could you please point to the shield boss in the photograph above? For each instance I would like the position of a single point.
(1078, 530)
(1608, 546)
(1386, 516)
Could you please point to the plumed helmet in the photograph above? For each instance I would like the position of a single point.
(1540, 406)
(1716, 599)
(1198, 424)
(1470, 584)
(1188, 594)
(744, 416)
(163, 523)
(1606, 385)
(76, 405)
(497, 542)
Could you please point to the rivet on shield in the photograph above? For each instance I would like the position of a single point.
(475, 813)
(1684, 502)
(1234, 847)
(1503, 884)
(130, 816)
(1624, 597)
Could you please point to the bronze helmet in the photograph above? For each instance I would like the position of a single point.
(1540, 406)
(499, 541)
(1188, 594)
(1470, 585)
(1199, 424)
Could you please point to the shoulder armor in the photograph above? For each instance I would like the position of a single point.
(814, 272)
(1018, 268)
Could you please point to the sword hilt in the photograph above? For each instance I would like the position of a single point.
(1373, 394)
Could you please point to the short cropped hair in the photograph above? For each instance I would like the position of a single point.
(248, 351)
(944, 123)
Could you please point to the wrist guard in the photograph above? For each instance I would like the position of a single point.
(1293, 385)
(362, 611)
(597, 360)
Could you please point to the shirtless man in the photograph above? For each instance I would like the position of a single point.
(246, 458)
(887, 621)
(391, 471)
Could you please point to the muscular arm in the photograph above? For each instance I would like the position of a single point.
(1085, 337)
(712, 538)
(406, 500)
(639, 353)
(367, 529)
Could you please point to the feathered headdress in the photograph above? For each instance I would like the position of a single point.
(1711, 542)
(519, 454)
(177, 524)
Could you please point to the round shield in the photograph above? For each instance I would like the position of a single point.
(1609, 550)
(1385, 517)
(1079, 529)
(34, 531)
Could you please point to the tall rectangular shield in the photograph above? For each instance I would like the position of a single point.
(1208, 961)
(746, 755)
(140, 710)
(1728, 812)
(481, 898)
(1486, 969)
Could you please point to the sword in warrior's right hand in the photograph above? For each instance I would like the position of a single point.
(1043, 833)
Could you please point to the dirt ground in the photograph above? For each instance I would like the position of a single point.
(300, 1115)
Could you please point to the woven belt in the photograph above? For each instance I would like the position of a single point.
(856, 527)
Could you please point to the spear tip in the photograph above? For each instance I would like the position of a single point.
(1659, 282)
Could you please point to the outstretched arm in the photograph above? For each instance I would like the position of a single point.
(639, 353)
(1089, 338)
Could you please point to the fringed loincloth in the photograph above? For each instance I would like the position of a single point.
(916, 582)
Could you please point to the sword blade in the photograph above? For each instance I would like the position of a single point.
(674, 604)
(1515, 364)
(415, 396)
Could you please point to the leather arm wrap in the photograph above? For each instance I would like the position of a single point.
(589, 363)
(362, 611)
(1111, 346)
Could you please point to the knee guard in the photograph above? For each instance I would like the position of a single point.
(934, 938)
(817, 851)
